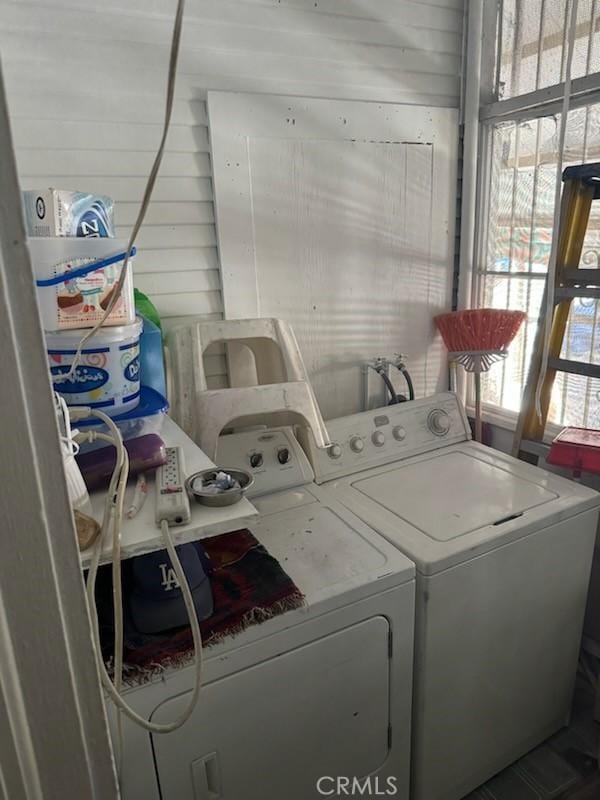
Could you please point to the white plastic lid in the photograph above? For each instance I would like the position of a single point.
(109, 334)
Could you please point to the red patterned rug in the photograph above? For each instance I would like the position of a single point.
(249, 586)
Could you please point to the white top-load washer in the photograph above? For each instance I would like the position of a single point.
(503, 553)
(321, 692)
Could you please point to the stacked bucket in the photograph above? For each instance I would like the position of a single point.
(77, 262)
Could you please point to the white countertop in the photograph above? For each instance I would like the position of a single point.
(141, 534)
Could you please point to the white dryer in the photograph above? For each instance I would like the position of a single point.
(324, 691)
(503, 553)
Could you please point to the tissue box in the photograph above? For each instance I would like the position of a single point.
(60, 212)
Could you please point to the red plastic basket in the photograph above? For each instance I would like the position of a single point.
(577, 449)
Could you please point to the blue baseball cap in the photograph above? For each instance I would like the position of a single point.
(156, 600)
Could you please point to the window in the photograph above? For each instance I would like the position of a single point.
(520, 136)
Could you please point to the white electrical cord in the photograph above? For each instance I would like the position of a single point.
(113, 514)
(66, 434)
(116, 519)
(118, 289)
(551, 279)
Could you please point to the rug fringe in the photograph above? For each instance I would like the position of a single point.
(135, 675)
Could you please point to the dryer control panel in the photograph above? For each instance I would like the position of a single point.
(272, 455)
(388, 434)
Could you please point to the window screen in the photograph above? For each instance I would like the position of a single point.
(531, 44)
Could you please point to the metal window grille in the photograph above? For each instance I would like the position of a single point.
(520, 135)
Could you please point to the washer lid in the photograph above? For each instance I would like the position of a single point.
(444, 508)
(455, 493)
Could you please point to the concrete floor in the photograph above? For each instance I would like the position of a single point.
(563, 768)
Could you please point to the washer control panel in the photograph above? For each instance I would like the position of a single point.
(271, 455)
(388, 434)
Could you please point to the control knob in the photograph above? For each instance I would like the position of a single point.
(335, 451)
(438, 422)
(399, 433)
(378, 438)
(256, 460)
(357, 444)
(283, 455)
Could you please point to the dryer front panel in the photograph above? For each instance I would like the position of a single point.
(271, 731)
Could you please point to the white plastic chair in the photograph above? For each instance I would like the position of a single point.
(267, 376)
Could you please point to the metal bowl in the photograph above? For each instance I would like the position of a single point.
(226, 498)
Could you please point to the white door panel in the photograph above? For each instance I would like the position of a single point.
(272, 730)
(338, 217)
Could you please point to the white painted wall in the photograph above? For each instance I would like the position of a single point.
(86, 84)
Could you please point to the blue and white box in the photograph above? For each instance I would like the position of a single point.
(61, 212)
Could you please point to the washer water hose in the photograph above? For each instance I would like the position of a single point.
(394, 397)
(399, 364)
(381, 366)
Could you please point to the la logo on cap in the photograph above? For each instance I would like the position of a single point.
(169, 578)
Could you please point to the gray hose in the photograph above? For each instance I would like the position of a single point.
(390, 387)
(409, 383)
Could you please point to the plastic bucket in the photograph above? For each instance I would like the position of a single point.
(108, 375)
(71, 293)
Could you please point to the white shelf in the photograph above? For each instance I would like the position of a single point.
(141, 535)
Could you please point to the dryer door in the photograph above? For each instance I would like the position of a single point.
(271, 731)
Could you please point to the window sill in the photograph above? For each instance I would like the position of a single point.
(503, 418)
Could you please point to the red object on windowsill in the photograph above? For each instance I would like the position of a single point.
(577, 449)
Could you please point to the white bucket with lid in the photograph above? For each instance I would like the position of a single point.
(75, 280)
(107, 377)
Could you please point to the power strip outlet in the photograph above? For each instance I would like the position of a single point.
(172, 502)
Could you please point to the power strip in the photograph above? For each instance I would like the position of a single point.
(172, 502)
